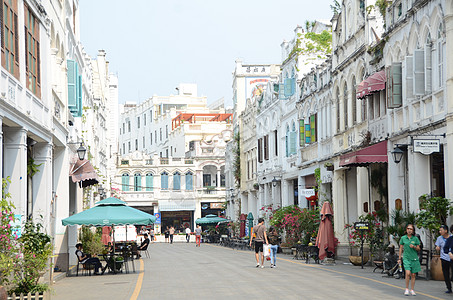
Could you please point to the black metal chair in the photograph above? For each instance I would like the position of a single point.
(85, 267)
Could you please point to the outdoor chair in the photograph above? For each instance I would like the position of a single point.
(85, 267)
(425, 257)
(145, 250)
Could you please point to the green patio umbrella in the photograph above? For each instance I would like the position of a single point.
(210, 219)
(108, 212)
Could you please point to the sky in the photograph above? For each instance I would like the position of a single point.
(152, 46)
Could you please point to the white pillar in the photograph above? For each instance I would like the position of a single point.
(363, 190)
(302, 199)
(15, 166)
(339, 207)
(285, 193)
(448, 19)
(419, 178)
(42, 183)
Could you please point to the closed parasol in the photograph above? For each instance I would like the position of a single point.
(325, 240)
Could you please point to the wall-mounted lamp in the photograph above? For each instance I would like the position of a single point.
(398, 153)
(80, 151)
(101, 190)
(274, 182)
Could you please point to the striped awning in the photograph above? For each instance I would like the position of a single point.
(175, 205)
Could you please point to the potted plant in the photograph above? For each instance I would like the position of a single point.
(256, 186)
(328, 166)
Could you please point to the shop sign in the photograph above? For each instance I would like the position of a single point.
(426, 146)
(361, 225)
(307, 192)
(205, 206)
(217, 205)
(158, 220)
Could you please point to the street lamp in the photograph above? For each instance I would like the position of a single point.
(397, 154)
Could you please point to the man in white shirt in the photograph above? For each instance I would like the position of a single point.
(188, 234)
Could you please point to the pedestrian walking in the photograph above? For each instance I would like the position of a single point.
(198, 235)
(274, 240)
(444, 257)
(410, 244)
(188, 234)
(261, 237)
(172, 232)
(167, 234)
(151, 234)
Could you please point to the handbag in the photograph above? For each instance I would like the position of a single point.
(266, 250)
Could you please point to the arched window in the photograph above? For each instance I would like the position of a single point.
(345, 102)
(164, 181)
(125, 182)
(137, 182)
(176, 181)
(149, 182)
(189, 181)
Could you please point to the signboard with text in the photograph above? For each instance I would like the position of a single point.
(426, 146)
(307, 192)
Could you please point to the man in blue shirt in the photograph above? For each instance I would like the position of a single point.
(444, 257)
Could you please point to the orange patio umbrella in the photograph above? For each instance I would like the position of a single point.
(325, 239)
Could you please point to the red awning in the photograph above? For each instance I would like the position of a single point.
(376, 153)
(372, 84)
(83, 172)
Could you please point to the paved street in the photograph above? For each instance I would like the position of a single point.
(182, 271)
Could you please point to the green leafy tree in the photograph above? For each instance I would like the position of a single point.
(433, 213)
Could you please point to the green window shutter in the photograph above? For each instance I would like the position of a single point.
(164, 181)
(125, 182)
(72, 81)
(301, 133)
(293, 137)
(409, 77)
(79, 97)
(307, 134)
(149, 182)
(289, 87)
(419, 72)
(394, 85)
(281, 92)
(137, 182)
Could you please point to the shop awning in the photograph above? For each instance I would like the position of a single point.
(83, 172)
(376, 153)
(372, 84)
(174, 205)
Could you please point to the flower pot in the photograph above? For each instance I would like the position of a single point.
(286, 250)
(357, 260)
(436, 268)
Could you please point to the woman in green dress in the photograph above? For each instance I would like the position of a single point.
(410, 244)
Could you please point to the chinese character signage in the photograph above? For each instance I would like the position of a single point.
(426, 146)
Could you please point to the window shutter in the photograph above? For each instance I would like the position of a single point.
(419, 72)
(428, 69)
(409, 77)
(307, 134)
(16, 39)
(260, 153)
(79, 97)
(176, 182)
(149, 182)
(289, 87)
(164, 181)
(313, 128)
(72, 80)
(396, 78)
(189, 185)
(281, 92)
(301, 133)
(287, 144)
(293, 137)
(2, 35)
(266, 147)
